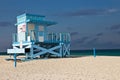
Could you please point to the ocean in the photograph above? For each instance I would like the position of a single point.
(99, 52)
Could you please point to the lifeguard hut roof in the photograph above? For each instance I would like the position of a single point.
(27, 14)
(46, 23)
(31, 18)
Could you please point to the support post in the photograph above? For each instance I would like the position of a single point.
(15, 63)
(94, 52)
(31, 50)
(21, 45)
(61, 50)
(27, 55)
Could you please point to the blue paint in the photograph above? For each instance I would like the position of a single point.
(94, 52)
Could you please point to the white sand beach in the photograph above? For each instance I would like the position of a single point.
(81, 68)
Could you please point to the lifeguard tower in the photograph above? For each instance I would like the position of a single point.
(34, 40)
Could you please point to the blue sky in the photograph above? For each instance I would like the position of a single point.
(92, 23)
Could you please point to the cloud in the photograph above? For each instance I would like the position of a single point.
(80, 40)
(89, 12)
(99, 34)
(115, 27)
(93, 41)
(5, 24)
(104, 45)
(118, 32)
(69, 28)
(74, 33)
(87, 40)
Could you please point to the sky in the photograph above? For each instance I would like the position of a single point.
(91, 23)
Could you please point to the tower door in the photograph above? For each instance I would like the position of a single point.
(21, 32)
(31, 32)
(41, 33)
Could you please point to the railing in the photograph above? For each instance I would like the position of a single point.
(19, 37)
(42, 37)
(58, 37)
(49, 37)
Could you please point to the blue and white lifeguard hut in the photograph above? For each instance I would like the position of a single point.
(34, 40)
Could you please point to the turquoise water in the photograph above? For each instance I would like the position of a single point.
(3, 53)
(102, 52)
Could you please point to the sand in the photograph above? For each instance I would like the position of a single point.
(79, 68)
